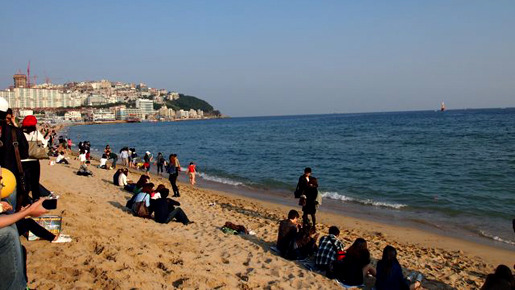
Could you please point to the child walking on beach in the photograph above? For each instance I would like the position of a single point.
(192, 171)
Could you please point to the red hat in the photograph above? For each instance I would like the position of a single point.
(29, 121)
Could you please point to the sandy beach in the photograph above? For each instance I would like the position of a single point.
(112, 249)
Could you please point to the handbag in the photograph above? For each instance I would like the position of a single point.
(37, 149)
(141, 209)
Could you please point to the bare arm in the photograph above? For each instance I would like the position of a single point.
(36, 209)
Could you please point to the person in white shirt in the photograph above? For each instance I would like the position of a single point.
(103, 162)
(124, 155)
(61, 159)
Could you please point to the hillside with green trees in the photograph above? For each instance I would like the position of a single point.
(186, 102)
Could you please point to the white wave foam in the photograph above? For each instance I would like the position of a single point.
(496, 238)
(337, 196)
(220, 179)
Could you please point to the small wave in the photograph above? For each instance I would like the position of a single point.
(496, 238)
(220, 179)
(337, 196)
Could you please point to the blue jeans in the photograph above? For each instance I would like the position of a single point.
(12, 274)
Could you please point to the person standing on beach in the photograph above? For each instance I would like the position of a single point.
(310, 205)
(148, 159)
(160, 162)
(107, 150)
(173, 172)
(124, 155)
(31, 166)
(302, 185)
(70, 146)
(192, 171)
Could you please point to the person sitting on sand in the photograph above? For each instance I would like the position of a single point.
(123, 180)
(305, 242)
(83, 170)
(116, 176)
(389, 273)
(12, 258)
(143, 196)
(501, 279)
(61, 159)
(82, 156)
(28, 224)
(352, 269)
(165, 210)
(288, 229)
(328, 249)
(139, 185)
(103, 162)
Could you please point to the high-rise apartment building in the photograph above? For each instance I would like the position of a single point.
(20, 81)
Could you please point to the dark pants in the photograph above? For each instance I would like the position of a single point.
(26, 225)
(305, 218)
(130, 187)
(159, 168)
(12, 262)
(32, 172)
(63, 161)
(114, 162)
(173, 181)
(179, 216)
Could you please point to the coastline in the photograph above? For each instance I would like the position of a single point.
(113, 249)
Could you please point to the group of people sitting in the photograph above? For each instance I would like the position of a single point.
(349, 266)
(150, 202)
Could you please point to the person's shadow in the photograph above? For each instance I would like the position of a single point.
(120, 206)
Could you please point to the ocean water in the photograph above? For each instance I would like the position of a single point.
(452, 170)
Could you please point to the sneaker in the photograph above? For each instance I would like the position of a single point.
(63, 239)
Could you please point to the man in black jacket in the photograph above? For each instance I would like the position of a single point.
(303, 182)
(165, 210)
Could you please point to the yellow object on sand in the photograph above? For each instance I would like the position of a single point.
(7, 183)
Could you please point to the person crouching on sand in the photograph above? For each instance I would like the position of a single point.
(192, 171)
(83, 170)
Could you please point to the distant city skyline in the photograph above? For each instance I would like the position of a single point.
(275, 58)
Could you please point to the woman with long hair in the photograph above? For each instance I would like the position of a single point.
(173, 170)
(389, 272)
(352, 269)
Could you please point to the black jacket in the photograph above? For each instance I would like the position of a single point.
(7, 155)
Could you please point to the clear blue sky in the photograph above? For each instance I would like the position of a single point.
(250, 58)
